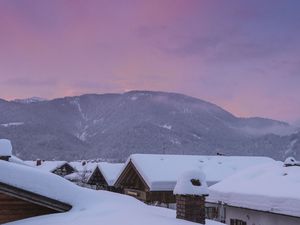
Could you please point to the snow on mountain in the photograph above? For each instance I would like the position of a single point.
(30, 100)
(117, 125)
(12, 124)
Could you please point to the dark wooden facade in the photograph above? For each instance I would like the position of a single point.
(97, 179)
(131, 182)
(64, 170)
(17, 204)
(12, 209)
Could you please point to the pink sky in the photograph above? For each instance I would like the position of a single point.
(241, 55)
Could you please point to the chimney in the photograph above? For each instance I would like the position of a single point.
(291, 161)
(191, 190)
(5, 149)
(38, 162)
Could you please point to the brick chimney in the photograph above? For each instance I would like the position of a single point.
(38, 162)
(191, 190)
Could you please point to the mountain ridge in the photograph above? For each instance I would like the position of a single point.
(115, 125)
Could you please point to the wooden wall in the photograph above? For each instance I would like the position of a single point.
(12, 209)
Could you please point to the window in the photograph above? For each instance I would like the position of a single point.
(237, 222)
(211, 212)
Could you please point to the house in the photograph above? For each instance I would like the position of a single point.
(100, 175)
(152, 178)
(41, 197)
(266, 194)
(37, 196)
(61, 168)
(109, 173)
(38, 193)
(83, 171)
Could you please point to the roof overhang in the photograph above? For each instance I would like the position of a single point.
(34, 198)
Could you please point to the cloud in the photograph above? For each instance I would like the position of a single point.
(29, 81)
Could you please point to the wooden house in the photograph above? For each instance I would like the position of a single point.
(108, 173)
(265, 194)
(20, 200)
(152, 178)
(60, 168)
(96, 179)
(100, 175)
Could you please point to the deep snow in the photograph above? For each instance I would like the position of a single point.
(90, 207)
(270, 187)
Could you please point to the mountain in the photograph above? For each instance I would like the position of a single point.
(30, 100)
(116, 125)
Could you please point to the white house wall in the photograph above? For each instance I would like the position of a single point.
(253, 217)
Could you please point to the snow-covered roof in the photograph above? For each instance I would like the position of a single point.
(84, 170)
(291, 161)
(84, 166)
(5, 147)
(73, 176)
(49, 166)
(191, 183)
(110, 171)
(270, 187)
(88, 206)
(160, 172)
(36, 181)
(15, 159)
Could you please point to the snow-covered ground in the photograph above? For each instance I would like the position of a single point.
(270, 187)
(88, 206)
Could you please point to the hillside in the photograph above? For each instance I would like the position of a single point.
(116, 125)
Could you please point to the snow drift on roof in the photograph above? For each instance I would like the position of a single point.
(5, 147)
(191, 183)
(270, 187)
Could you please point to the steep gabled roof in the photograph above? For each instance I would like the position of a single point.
(130, 176)
(160, 172)
(110, 171)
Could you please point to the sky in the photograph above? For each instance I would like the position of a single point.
(241, 55)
